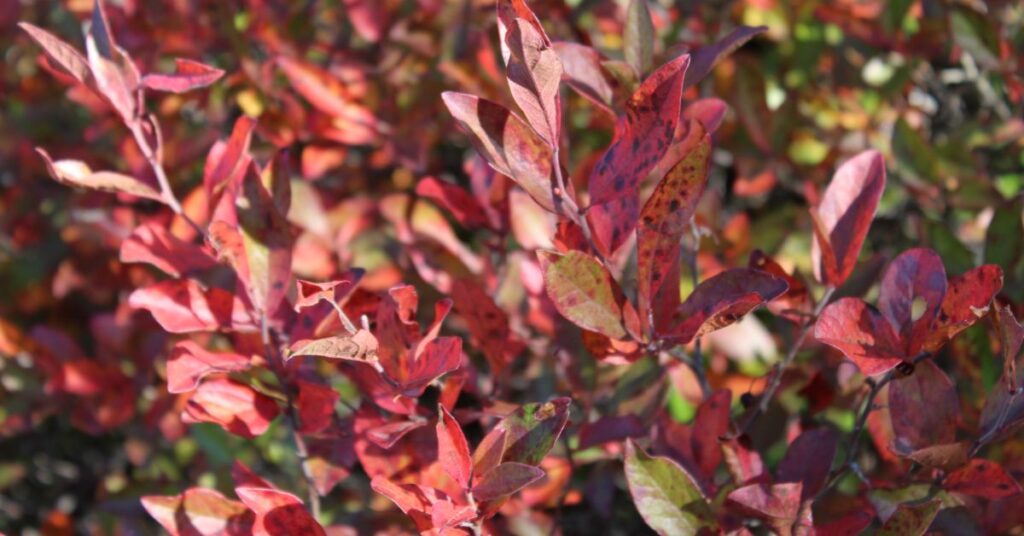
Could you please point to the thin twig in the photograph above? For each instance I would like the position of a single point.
(776, 376)
(153, 159)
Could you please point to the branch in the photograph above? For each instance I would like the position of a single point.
(776, 379)
(153, 158)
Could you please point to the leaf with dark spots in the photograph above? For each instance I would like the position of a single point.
(199, 512)
(911, 519)
(666, 215)
(845, 214)
(967, 299)
(982, 478)
(188, 75)
(706, 57)
(154, 244)
(77, 174)
(532, 68)
(278, 513)
(183, 306)
(722, 300)
(506, 479)
(610, 428)
(641, 138)
(911, 295)
(808, 460)
(488, 324)
(924, 408)
(452, 449)
(668, 499)
(582, 291)
(510, 146)
(190, 362)
(861, 333)
(234, 406)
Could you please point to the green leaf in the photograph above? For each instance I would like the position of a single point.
(582, 291)
(525, 436)
(667, 497)
(638, 37)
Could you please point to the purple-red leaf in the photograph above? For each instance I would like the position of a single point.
(641, 138)
(982, 478)
(154, 244)
(190, 362)
(845, 214)
(722, 300)
(510, 146)
(610, 428)
(924, 408)
(911, 293)
(808, 460)
(315, 406)
(583, 72)
(506, 479)
(706, 57)
(778, 504)
(861, 333)
(532, 68)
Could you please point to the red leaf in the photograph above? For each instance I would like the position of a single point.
(641, 138)
(330, 460)
(488, 324)
(709, 112)
(329, 96)
(583, 72)
(278, 513)
(234, 406)
(709, 426)
(385, 436)
(706, 57)
(808, 460)
(228, 160)
(315, 405)
(532, 68)
(861, 333)
(76, 173)
(437, 358)
(266, 235)
(779, 504)
(796, 301)
(722, 300)
(67, 57)
(982, 478)
(199, 511)
(414, 500)
(507, 143)
(506, 479)
(452, 449)
(188, 75)
(967, 299)
(154, 244)
(924, 408)
(666, 216)
(182, 306)
(243, 477)
(911, 293)
(190, 362)
(610, 428)
(455, 200)
(845, 212)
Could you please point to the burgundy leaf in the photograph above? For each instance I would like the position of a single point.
(315, 406)
(924, 408)
(912, 291)
(722, 300)
(706, 57)
(641, 138)
(506, 479)
(861, 333)
(709, 426)
(808, 460)
(845, 214)
(982, 478)
(610, 428)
